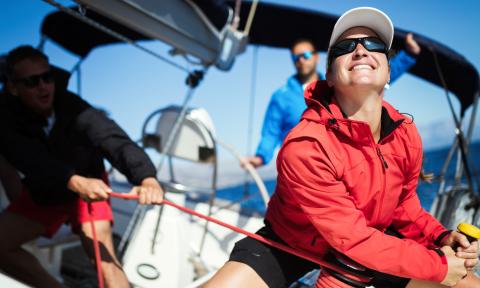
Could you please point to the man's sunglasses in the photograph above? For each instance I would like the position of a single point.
(346, 46)
(34, 80)
(306, 55)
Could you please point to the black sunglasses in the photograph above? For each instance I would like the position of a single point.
(34, 80)
(346, 46)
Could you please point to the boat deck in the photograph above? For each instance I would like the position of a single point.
(79, 273)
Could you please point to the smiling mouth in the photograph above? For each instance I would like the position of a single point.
(362, 66)
(44, 97)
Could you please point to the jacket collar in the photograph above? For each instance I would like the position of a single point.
(323, 108)
(295, 85)
(23, 112)
(20, 112)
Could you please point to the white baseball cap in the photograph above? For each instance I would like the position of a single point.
(367, 17)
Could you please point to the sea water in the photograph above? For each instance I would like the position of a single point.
(426, 191)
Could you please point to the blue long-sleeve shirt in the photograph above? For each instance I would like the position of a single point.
(287, 105)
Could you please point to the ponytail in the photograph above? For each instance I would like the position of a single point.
(425, 177)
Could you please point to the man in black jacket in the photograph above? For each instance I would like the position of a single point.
(57, 141)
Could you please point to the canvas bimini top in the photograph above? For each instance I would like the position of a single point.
(276, 26)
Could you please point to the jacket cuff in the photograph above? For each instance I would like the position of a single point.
(69, 172)
(139, 178)
(443, 267)
(438, 242)
(410, 53)
(263, 159)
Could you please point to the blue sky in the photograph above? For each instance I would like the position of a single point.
(130, 84)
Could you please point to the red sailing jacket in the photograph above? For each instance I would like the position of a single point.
(337, 188)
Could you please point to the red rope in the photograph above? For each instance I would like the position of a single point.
(98, 259)
(236, 229)
(327, 282)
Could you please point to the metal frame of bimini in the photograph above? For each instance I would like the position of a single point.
(223, 59)
(458, 203)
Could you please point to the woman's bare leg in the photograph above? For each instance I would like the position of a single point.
(471, 281)
(236, 275)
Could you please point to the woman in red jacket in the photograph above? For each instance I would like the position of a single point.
(347, 175)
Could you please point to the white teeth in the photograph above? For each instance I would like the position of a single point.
(362, 67)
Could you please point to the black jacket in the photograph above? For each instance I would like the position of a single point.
(77, 143)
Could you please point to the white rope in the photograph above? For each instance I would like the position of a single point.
(256, 177)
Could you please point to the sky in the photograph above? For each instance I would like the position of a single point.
(130, 84)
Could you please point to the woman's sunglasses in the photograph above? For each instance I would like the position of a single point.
(306, 55)
(346, 46)
(34, 80)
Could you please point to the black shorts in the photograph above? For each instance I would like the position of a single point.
(279, 269)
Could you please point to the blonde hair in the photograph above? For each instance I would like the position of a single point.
(425, 177)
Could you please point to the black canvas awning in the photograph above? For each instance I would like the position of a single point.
(80, 38)
(278, 26)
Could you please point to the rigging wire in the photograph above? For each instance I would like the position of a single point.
(253, 86)
(76, 69)
(41, 46)
(470, 127)
(253, 9)
(176, 127)
(111, 32)
(76, 65)
(79, 81)
(441, 177)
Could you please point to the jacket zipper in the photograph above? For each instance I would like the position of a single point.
(332, 122)
(381, 155)
(384, 185)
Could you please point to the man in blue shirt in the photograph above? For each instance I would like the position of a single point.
(287, 103)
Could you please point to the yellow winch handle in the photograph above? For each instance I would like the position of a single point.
(469, 230)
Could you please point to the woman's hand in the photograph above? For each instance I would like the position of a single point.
(149, 192)
(89, 189)
(456, 268)
(467, 250)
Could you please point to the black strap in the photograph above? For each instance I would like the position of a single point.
(439, 252)
(332, 259)
(441, 236)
